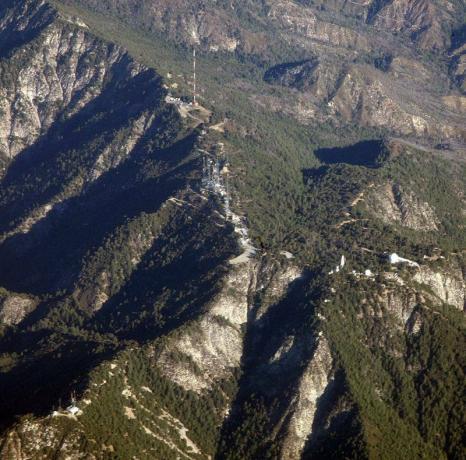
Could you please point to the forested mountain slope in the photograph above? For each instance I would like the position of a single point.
(278, 273)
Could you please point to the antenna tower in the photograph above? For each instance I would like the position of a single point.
(194, 77)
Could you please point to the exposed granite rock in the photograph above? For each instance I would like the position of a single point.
(213, 344)
(120, 149)
(14, 308)
(374, 98)
(33, 436)
(58, 73)
(274, 282)
(425, 20)
(449, 285)
(56, 76)
(315, 379)
(345, 92)
(210, 348)
(341, 88)
(399, 303)
(414, 323)
(458, 66)
(208, 25)
(295, 19)
(394, 205)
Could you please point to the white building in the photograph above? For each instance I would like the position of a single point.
(343, 262)
(73, 410)
(395, 259)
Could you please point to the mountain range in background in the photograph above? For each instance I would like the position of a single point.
(276, 272)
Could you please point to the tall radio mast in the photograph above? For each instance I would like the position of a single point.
(194, 77)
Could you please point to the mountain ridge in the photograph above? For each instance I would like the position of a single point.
(116, 253)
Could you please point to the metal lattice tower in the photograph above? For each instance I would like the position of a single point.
(194, 78)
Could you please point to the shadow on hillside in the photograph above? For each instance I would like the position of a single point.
(71, 146)
(173, 282)
(36, 386)
(12, 38)
(336, 424)
(49, 257)
(371, 154)
(268, 382)
(58, 345)
(171, 286)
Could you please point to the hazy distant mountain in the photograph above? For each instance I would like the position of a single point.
(278, 272)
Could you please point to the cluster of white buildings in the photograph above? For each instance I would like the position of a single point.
(72, 410)
(393, 259)
(338, 267)
(169, 99)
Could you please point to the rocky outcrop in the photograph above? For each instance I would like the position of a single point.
(14, 308)
(273, 283)
(374, 98)
(458, 59)
(209, 26)
(425, 20)
(32, 437)
(183, 317)
(22, 21)
(404, 96)
(62, 75)
(304, 23)
(401, 297)
(312, 385)
(345, 93)
(394, 205)
(210, 348)
(59, 73)
(120, 148)
(447, 284)
(218, 26)
(399, 303)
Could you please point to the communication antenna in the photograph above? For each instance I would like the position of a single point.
(194, 77)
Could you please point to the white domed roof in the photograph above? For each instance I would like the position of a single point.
(394, 258)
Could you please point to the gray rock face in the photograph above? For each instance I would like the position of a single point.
(55, 77)
(213, 344)
(314, 381)
(14, 308)
(33, 436)
(273, 284)
(449, 285)
(342, 87)
(394, 205)
(66, 69)
(204, 24)
(400, 300)
(458, 64)
(400, 304)
(58, 73)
